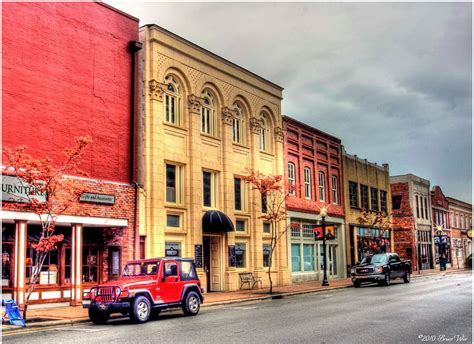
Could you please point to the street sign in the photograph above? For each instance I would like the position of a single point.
(318, 232)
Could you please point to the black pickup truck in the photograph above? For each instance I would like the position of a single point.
(381, 268)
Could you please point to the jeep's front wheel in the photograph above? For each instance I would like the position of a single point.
(141, 310)
(192, 303)
(98, 317)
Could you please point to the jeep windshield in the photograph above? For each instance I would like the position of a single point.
(375, 259)
(141, 269)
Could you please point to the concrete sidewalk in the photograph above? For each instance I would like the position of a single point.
(69, 315)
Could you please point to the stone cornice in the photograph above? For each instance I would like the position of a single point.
(156, 90)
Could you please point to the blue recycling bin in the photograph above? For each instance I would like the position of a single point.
(12, 311)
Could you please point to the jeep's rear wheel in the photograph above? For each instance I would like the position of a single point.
(141, 310)
(98, 317)
(192, 303)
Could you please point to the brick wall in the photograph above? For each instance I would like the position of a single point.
(66, 73)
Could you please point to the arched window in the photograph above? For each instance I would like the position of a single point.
(291, 178)
(208, 114)
(307, 182)
(238, 125)
(265, 142)
(172, 101)
(322, 187)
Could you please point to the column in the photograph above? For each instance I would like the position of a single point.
(228, 183)
(19, 277)
(76, 264)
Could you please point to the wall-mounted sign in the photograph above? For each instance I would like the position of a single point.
(172, 249)
(15, 190)
(88, 197)
(198, 256)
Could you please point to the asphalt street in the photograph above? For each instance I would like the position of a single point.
(435, 309)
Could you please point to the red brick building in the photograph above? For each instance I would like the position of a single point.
(314, 174)
(68, 70)
(460, 216)
(412, 226)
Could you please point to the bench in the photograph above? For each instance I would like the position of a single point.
(250, 279)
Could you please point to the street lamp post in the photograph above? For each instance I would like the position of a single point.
(323, 213)
(439, 235)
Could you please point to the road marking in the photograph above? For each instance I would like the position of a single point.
(81, 329)
(244, 308)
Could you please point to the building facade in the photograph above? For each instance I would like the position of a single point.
(53, 92)
(366, 189)
(412, 225)
(441, 226)
(313, 173)
(206, 122)
(460, 214)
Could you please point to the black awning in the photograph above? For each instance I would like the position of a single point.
(216, 222)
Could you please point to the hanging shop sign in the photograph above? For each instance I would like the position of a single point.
(18, 191)
(172, 249)
(88, 197)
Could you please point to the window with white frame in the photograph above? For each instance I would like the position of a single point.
(172, 101)
(322, 186)
(238, 131)
(307, 183)
(174, 184)
(335, 197)
(209, 189)
(291, 178)
(208, 114)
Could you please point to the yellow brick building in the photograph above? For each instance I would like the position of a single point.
(366, 186)
(205, 121)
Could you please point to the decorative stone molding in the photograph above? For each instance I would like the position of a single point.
(255, 125)
(194, 104)
(156, 90)
(227, 116)
(280, 134)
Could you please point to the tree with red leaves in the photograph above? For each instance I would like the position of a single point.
(49, 195)
(274, 195)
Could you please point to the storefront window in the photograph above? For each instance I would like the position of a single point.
(308, 257)
(266, 255)
(240, 255)
(295, 258)
(89, 264)
(7, 251)
(371, 241)
(67, 265)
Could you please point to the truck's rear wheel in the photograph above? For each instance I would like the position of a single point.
(98, 317)
(192, 303)
(141, 310)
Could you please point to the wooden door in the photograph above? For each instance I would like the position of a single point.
(215, 264)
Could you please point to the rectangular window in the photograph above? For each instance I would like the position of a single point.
(90, 256)
(426, 208)
(173, 183)
(383, 201)
(291, 178)
(396, 202)
(322, 187)
(188, 271)
(374, 199)
(142, 246)
(364, 196)
(421, 208)
(238, 194)
(172, 249)
(335, 197)
(209, 188)
(308, 257)
(240, 255)
(173, 221)
(307, 183)
(417, 207)
(266, 255)
(266, 227)
(353, 199)
(240, 225)
(295, 258)
(264, 204)
(114, 263)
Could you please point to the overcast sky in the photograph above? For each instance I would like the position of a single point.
(392, 80)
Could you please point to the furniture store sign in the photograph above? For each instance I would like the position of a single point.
(18, 191)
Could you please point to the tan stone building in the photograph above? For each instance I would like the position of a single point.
(366, 186)
(205, 121)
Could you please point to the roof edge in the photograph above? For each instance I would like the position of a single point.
(110, 7)
(311, 128)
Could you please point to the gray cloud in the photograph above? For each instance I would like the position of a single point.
(392, 80)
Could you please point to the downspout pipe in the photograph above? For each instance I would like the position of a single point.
(133, 48)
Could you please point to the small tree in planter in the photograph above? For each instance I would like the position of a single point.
(49, 195)
(274, 195)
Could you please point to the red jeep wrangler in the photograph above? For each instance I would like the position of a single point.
(147, 286)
